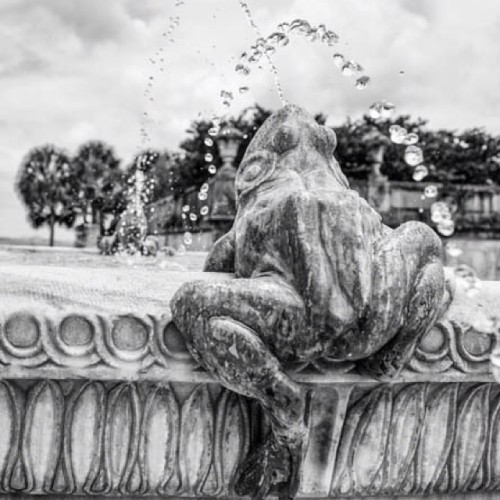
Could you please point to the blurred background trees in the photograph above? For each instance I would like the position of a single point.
(48, 187)
(94, 185)
(100, 181)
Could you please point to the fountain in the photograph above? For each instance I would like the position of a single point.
(323, 355)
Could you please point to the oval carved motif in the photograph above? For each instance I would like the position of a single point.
(470, 436)
(22, 330)
(159, 440)
(42, 434)
(406, 423)
(129, 333)
(437, 435)
(76, 331)
(196, 442)
(231, 438)
(122, 435)
(370, 439)
(85, 417)
(9, 435)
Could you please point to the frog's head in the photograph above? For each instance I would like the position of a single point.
(289, 151)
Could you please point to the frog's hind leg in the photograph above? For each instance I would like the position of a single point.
(423, 310)
(416, 298)
(214, 319)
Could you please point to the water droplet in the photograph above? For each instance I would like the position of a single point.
(255, 55)
(270, 50)
(193, 217)
(285, 27)
(204, 210)
(300, 27)
(484, 324)
(202, 196)
(362, 82)
(209, 157)
(243, 90)
(374, 110)
(338, 60)
(413, 156)
(330, 37)
(226, 94)
(420, 173)
(208, 142)
(387, 109)
(241, 69)
(204, 187)
(213, 131)
(465, 272)
(446, 227)
(212, 169)
(349, 68)
(313, 35)
(440, 211)
(430, 191)
(411, 138)
(453, 250)
(398, 134)
(279, 39)
(185, 208)
(188, 238)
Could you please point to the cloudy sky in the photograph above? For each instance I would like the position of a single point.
(74, 70)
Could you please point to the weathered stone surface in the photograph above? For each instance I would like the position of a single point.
(318, 276)
(100, 396)
(92, 437)
(83, 413)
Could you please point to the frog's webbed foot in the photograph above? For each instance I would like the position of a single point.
(267, 465)
(275, 465)
(430, 299)
(270, 467)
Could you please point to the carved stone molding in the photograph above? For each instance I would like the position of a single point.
(87, 340)
(77, 437)
(453, 346)
(98, 396)
(95, 438)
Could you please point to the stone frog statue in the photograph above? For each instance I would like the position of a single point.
(317, 275)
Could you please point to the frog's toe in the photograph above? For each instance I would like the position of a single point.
(268, 465)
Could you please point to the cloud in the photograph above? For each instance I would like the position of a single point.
(77, 69)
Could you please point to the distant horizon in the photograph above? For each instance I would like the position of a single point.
(82, 73)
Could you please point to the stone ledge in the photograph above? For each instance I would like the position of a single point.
(116, 324)
(79, 437)
(98, 396)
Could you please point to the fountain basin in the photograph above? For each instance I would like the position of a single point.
(100, 396)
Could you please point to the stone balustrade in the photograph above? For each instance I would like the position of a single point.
(98, 396)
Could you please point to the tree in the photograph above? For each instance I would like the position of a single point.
(47, 185)
(469, 157)
(192, 169)
(101, 181)
(160, 173)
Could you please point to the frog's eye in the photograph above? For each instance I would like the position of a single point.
(331, 139)
(285, 139)
(326, 140)
(253, 171)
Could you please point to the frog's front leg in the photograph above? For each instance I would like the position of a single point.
(229, 328)
(221, 256)
(409, 293)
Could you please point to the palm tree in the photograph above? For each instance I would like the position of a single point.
(101, 181)
(47, 186)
